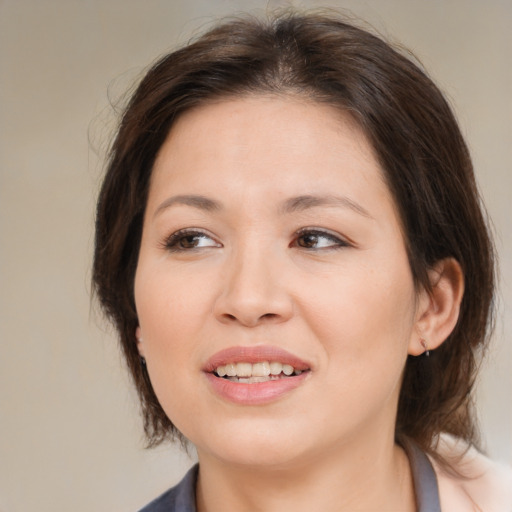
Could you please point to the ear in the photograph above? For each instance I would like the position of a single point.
(438, 310)
(140, 345)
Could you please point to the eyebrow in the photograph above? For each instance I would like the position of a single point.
(292, 205)
(200, 202)
(301, 203)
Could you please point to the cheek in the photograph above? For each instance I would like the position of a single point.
(171, 310)
(167, 321)
(364, 301)
(168, 300)
(364, 321)
(363, 324)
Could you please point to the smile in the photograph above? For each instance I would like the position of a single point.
(255, 375)
(249, 373)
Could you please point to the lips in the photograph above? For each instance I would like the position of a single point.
(234, 374)
(254, 355)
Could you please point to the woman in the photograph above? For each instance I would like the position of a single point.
(291, 246)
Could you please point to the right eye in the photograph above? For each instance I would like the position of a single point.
(318, 240)
(186, 240)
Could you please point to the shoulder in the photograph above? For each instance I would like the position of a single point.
(180, 498)
(165, 502)
(482, 485)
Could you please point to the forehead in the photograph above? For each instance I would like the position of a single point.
(267, 145)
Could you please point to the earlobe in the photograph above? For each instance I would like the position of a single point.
(138, 337)
(438, 310)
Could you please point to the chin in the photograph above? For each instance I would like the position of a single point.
(256, 456)
(254, 443)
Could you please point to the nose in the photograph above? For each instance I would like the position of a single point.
(254, 291)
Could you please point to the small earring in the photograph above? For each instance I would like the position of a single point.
(142, 358)
(425, 346)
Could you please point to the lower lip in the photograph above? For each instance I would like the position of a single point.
(256, 393)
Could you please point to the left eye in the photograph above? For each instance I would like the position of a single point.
(187, 240)
(312, 239)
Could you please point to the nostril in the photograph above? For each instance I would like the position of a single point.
(267, 317)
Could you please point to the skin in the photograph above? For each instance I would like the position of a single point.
(346, 304)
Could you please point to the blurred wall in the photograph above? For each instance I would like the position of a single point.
(70, 436)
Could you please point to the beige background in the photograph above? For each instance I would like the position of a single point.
(70, 437)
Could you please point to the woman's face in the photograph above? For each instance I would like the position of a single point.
(270, 236)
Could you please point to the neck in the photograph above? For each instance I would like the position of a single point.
(348, 478)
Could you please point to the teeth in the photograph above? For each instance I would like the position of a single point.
(251, 380)
(261, 369)
(230, 370)
(276, 368)
(287, 369)
(244, 369)
(257, 372)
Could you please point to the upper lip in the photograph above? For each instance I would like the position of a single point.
(254, 354)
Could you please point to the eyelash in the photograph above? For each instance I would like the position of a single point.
(338, 243)
(172, 243)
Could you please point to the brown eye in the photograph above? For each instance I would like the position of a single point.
(318, 240)
(308, 241)
(189, 240)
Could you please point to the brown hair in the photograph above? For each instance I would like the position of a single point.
(415, 137)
